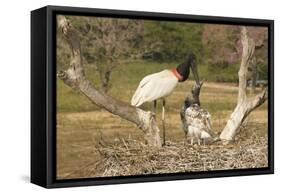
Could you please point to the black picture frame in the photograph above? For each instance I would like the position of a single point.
(43, 96)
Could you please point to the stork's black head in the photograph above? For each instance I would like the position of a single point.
(184, 68)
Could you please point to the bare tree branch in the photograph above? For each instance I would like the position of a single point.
(244, 105)
(74, 77)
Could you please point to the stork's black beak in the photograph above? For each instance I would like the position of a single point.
(194, 70)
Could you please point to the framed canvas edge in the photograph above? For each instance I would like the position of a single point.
(38, 157)
(52, 182)
(159, 177)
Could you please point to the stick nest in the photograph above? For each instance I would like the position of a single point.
(133, 157)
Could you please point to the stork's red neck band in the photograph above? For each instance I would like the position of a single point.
(176, 73)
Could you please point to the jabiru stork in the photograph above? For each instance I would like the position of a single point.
(160, 85)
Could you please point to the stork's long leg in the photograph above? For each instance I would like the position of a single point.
(163, 121)
(154, 106)
(185, 138)
(191, 141)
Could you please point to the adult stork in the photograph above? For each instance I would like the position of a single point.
(160, 85)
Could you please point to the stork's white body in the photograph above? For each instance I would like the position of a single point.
(155, 86)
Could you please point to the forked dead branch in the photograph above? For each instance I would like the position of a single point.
(244, 105)
(74, 77)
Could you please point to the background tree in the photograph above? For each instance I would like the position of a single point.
(170, 41)
(258, 67)
(107, 43)
(220, 44)
(222, 49)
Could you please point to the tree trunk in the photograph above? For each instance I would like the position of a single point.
(254, 75)
(74, 77)
(244, 105)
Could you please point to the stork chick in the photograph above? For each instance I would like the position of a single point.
(196, 122)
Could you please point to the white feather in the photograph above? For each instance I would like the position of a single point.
(154, 86)
(205, 135)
